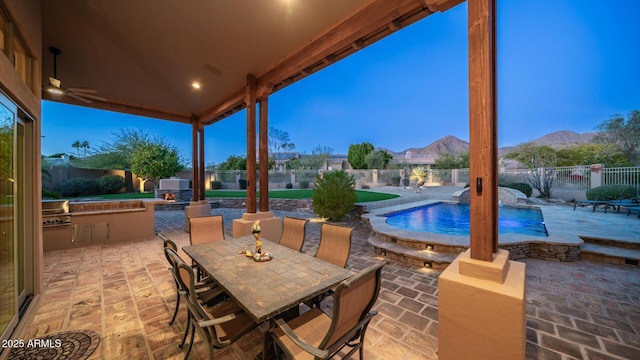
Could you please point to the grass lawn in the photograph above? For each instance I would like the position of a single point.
(363, 196)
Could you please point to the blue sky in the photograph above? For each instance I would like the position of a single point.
(562, 65)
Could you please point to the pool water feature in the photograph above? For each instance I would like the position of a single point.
(453, 219)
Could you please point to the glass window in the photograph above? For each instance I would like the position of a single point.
(3, 31)
(22, 61)
(15, 50)
(8, 296)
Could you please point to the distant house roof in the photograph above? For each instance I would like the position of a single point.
(285, 156)
(335, 157)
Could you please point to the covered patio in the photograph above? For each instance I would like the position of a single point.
(198, 65)
(125, 293)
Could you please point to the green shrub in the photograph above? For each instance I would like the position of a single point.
(111, 184)
(48, 194)
(524, 187)
(216, 185)
(242, 183)
(334, 195)
(79, 187)
(289, 186)
(611, 191)
(304, 184)
(395, 180)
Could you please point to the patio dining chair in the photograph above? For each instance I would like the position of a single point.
(220, 325)
(316, 335)
(205, 229)
(208, 292)
(293, 232)
(334, 247)
(335, 244)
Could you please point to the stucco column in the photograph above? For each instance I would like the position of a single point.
(596, 175)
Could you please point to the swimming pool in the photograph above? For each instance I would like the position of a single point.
(453, 219)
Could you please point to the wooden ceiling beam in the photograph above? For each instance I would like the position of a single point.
(213, 114)
(127, 108)
(440, 5)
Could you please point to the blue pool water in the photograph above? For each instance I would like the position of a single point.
(453, 219)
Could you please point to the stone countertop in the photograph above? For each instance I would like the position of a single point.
(87, 207)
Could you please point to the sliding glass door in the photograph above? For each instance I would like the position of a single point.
(8, 225)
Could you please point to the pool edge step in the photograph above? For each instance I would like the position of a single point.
(418, 257)
(609, 254)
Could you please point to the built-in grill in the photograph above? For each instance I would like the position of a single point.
(55, 213)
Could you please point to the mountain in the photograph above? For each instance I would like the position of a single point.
(447, 144)
(558, 140)
(564, 139)
(451, 144)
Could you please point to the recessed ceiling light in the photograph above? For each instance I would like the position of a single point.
(196, 85)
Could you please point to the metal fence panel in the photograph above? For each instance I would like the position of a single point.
(622, 176)
(572, 178)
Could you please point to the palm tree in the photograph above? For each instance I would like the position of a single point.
(85, 146)
(77, 145)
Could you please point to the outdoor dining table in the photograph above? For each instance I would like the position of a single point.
(269, 288)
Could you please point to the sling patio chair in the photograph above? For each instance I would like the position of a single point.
(595, 203)
(293, 232)
(220, 325)
(634, 209)
(208, 292)
(316, 335)
(205, 229)
(334, 247)
(624, 203)
(335, 244)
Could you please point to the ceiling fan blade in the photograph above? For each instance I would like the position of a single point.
(79, 98)
(83, 90)
(54, 82)
(89, 96)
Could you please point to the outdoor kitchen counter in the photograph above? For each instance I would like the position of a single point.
(111, 206)
(105, 222)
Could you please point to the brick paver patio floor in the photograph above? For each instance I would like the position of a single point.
(580, 310)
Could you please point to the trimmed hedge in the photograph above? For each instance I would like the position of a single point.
(216, 185)
(611, 191)
(524, 187)
(304, 184)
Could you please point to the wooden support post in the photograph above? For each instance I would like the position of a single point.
(483, 144)
(201, 162)
(250, 101)
(194, 159)
(263, 153)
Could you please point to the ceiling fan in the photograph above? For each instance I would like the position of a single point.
(55, 85)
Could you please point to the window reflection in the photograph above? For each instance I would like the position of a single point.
(15, 50)
(7, 268)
